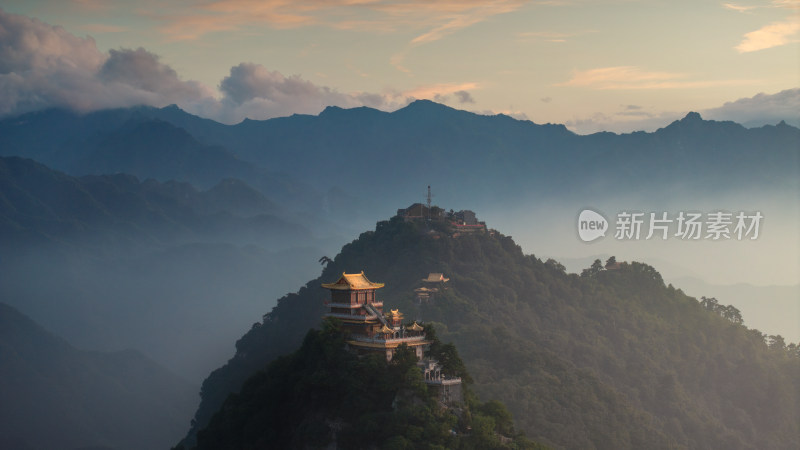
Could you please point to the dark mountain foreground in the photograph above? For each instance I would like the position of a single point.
(611, 358)
(324, 395)
(54, 396)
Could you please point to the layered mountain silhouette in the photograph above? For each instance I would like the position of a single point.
(53, 395)
(608, 359)
(46, 204)
(110, 261)
(471, 158)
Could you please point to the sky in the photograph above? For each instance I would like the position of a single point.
(620, 65)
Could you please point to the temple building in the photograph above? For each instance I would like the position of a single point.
(434, 277)
(369, 330)
(448, 388)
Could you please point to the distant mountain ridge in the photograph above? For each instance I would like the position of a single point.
(471, 158)
(53, 396)
(37, 200)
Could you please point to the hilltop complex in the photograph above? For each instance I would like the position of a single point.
(369, 330)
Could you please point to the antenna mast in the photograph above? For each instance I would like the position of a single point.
(429, 202)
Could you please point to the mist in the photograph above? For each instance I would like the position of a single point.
(761, 277)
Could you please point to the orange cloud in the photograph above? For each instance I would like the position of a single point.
(630, 77)
(440, 17)
(772, 35)
(738, 8)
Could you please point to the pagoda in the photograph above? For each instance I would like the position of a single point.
(368, 329)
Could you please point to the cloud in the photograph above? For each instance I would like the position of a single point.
(441, 89)
(624, 121)
(621, 77)
(253, 91)
(440, 18)
(772, 35)
(738, 8)
(783, 4)
(761, 109)
(43, 66)
(519, 115)
(464, 14)
(140, 70)
(27, 44)
(787, 4)
(464, 97)
(397, 60)
(632, 78)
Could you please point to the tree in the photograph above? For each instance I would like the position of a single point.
(709, 303)
(777, 342)
(611, 261)
(594, 269)
(731, 313)
(553, 264)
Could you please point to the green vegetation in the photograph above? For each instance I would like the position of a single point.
(323, 394)
(609, 359)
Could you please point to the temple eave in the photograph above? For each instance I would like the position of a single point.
(385, 345)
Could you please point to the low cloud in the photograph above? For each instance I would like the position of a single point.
(253, 91)
(141, 71)
(430, 91)
(464, 97)
(761, 109)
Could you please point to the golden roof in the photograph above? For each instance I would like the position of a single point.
(386, 329)
(352, 282)
(414, 327)
(395, 313)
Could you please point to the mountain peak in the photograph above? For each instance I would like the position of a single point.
(332, 109)
(692, 117)
(418, 107)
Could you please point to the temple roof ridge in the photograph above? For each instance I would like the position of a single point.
(352, 281)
